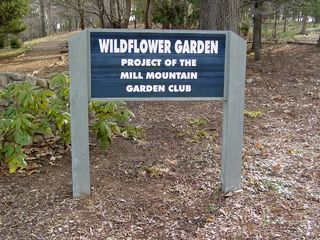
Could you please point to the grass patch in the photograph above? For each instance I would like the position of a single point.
(291, 34)
(9, 52)
(27, 46)
(252, 114)
(198, 122)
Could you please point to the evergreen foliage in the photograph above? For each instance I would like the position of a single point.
(11, 13)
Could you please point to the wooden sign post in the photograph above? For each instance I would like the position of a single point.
(153, 66)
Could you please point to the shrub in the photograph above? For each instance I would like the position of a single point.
(244, 29)
(15, 43)
(34, 110)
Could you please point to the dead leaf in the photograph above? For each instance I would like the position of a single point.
(210, 219)
(33, 171)
(277, 168)
(173, 162)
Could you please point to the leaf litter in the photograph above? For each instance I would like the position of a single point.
(166, 186)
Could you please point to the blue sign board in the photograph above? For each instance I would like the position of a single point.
(134, 65)
(110, 64)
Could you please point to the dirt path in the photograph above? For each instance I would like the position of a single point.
(166, 186)
(42, 59)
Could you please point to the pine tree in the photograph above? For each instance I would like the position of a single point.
(11, 13)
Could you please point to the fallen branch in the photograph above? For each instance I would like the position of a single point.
(302, 43)
(288, 42)
(267, 42)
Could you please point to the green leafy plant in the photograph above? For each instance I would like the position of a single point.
(33, 110)
(25, 116)
(112, 118)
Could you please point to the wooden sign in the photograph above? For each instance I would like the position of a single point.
(151, 65)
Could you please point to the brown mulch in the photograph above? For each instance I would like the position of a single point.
(167, 186)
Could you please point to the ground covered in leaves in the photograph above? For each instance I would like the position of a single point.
(167, 185)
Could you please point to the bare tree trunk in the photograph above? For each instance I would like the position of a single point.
(1, 41)
(81, 15)
(304, 24)
(115, 14)
(274, 35)
(119, 20)
(51, 25)
(126, 16)
(318, 42)
(42, 19)
(220, 15)
(69, 24)
(147, 15)
(82, 23)
(2, 36)
(102, 12)
(257, 22)
(113, 20)
(285, 19)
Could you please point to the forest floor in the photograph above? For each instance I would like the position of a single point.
(167, 185)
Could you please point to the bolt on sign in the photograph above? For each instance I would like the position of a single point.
(154, 65)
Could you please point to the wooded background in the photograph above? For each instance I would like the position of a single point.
(256, 20)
